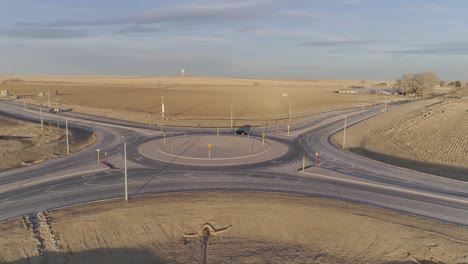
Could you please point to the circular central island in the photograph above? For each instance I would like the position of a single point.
(213, 150)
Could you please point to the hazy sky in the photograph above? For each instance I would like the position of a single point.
(358, 39)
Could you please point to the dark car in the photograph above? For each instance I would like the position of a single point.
(240, 132)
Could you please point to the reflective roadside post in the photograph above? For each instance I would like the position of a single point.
(263, 139)
(289, 127)
(316, 159)
(105, 158)
(209, 150)
(98, 156)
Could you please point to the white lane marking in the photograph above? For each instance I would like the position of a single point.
(388, 187)
(53, 178)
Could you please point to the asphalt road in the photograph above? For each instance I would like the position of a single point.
(78, 178)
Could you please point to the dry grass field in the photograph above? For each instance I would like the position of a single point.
(429, 136)
(24, 143)
(191, 101)
(229, 227)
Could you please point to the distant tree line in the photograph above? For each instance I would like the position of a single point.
(455, 84)
(421, 84)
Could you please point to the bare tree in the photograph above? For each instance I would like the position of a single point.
(419, 83)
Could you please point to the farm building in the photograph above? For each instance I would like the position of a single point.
(347, 91)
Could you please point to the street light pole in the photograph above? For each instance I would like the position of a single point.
(66, 132)
(125, 167)
(231, 114)
(42, 121)
(385, 103)
(344, 133)
(290, 112)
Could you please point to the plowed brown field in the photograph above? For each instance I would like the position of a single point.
(192, 101)
(429, 136)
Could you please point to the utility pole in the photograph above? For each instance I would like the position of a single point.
(385, 103)
(231, 115)
(125, 167)
(42, 121)
(66, 132)
(162, 106)
(344, 133)
(48, 95)
(290, 111)
(57, 110)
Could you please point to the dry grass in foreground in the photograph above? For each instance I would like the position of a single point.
(193, 101)
(23, 143)
(230, 227)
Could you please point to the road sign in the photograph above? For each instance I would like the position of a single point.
(263, 135)
(316, 153)
(209, 145)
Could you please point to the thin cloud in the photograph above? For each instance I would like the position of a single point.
(42, 33)
(453, 48)
(335, 43)
(63, 8)
(188, 14)
(135, 29)
(299, 14)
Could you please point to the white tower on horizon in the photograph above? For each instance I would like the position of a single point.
(182, 72)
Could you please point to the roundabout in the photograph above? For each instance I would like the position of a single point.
(213, 150)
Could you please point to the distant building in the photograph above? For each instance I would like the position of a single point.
(384, 84)
(347, 91)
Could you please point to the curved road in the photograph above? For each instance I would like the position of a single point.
(77, 178)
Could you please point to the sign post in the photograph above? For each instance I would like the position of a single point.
(98, 156)
(263, 139)
(316, 159)
(289, 127)
(209, 150)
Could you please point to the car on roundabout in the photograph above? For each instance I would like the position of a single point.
(240, 132)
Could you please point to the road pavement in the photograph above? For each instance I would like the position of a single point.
(77, 178)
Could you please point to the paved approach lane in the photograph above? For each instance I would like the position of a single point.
(78, 179)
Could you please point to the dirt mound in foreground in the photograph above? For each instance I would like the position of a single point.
(228, 227)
